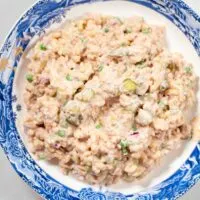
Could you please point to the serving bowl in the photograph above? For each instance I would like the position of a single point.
(177, 173)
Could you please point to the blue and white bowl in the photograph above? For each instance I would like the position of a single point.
(177, 173)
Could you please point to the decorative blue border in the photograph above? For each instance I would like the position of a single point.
(37, 18)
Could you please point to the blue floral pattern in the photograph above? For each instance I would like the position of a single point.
(40, 16)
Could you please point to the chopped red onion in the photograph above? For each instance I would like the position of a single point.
(135, 133)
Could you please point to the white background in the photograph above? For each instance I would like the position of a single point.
(11, 186)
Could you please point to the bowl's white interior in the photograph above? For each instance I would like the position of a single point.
(177, 42)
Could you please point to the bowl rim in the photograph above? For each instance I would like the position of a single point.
(83, 194)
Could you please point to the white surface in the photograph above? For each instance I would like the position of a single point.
(11, 187)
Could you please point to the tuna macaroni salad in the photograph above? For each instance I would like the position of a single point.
(105, 98)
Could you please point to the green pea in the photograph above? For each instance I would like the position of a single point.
(98, 126)
(124, 146)
(106, 30)
(188, 70)
(42, 156)
(146, 30)
(60, 133)
(68, 77)
(29, 78)
(42, 47)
